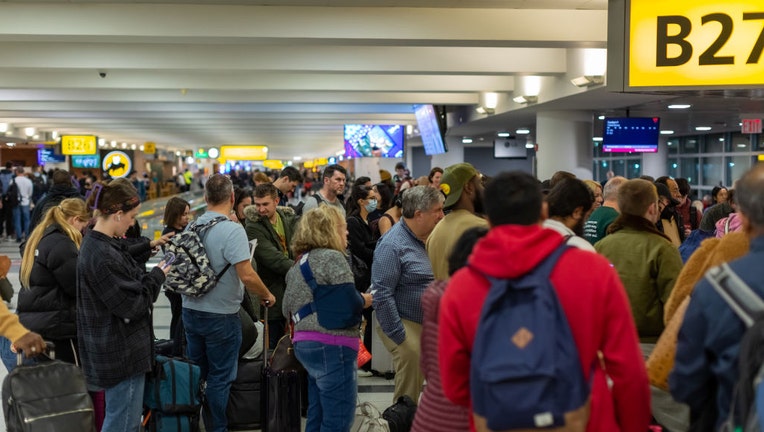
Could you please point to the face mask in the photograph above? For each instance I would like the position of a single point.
(371, 206)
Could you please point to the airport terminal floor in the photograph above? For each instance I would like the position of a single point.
(377, 390)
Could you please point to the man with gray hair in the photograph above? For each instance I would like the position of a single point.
(399, 274)
(596, 226)
(708, 346)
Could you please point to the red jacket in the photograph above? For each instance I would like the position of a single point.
(594, 302)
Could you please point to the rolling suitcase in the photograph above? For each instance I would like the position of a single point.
(50, 395)
(280, 395)
(244, 404)
(381, 360)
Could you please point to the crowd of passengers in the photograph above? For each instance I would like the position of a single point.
(420, 253)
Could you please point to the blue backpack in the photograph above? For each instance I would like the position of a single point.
(525, 369)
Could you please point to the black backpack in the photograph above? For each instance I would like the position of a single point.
(12, 197)
(299, 207)
(400, 416)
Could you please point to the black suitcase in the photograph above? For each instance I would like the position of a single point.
(47, 396)
(281, 395)
(244, 403)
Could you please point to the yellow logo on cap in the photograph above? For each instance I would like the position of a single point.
(445, 188)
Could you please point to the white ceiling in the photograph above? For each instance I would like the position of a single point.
(282, 73)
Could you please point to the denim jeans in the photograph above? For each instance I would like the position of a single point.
(21, 221)
(213, 342)
(124, 405)
(332, 385)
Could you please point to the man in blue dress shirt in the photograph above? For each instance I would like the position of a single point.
(399, 274)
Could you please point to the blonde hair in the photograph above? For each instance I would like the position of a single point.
(593, 185)
(70, 207)
(318, 229)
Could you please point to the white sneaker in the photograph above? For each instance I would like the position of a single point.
(363, 373)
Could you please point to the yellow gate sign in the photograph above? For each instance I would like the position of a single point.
(78, 144)
(149, 147)
(695, 43)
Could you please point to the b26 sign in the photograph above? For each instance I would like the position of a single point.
(696, 43)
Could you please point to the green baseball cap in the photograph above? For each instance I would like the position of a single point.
(453, 181)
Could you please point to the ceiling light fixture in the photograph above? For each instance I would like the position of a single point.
(54, 135)
(409, 131)
(602, 117)
(297, 158)
(667, 132)
(503, 134)
(530, 145)
(679, 106)
(29, 131)
(466, 140)
(588, 80)
(597, 139)
(703, 128)
(3, 127)
(523, 131)
(525, 99)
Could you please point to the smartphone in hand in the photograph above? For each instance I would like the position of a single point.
(168, 259)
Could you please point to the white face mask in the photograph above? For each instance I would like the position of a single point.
(371, 206)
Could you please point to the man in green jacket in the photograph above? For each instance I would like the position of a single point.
(273, 228)
(646, 261)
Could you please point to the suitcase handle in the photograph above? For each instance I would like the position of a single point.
(50, 352)
(266, 329)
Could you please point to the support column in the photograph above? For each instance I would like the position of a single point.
(564, 141)
(654, 164)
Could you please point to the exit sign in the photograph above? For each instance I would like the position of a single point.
(751, 126)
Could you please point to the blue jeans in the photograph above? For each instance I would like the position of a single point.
(332, 385)
(21, 221)
(124, 405)
(213, 342)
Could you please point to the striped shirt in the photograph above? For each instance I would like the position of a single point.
(400, 273)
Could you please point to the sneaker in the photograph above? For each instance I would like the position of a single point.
(363, 373)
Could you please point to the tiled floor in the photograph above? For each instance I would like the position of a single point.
(377, 390)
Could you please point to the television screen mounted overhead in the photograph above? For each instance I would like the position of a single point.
(362, 140)
(631, 134)
(431, 129)
(509, 148)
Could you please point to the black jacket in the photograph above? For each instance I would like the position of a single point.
(48, 305)
(55, 195)
(361, 243)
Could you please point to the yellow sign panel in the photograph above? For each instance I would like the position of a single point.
(117, 164)
(78, 144)
(696, 43)
(149, 147)
(243, 152)
(308, 164)
(320, 161)
(273, 164)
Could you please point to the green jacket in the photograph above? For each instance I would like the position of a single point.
(648, 265)
(272, 264)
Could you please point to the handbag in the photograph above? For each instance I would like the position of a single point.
(368, 419)
(358, 266)
(364, 356)
(6, 289)
(283, 357)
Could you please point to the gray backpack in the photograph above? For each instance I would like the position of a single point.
(191, 273)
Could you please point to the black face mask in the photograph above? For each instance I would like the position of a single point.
(667, 213)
